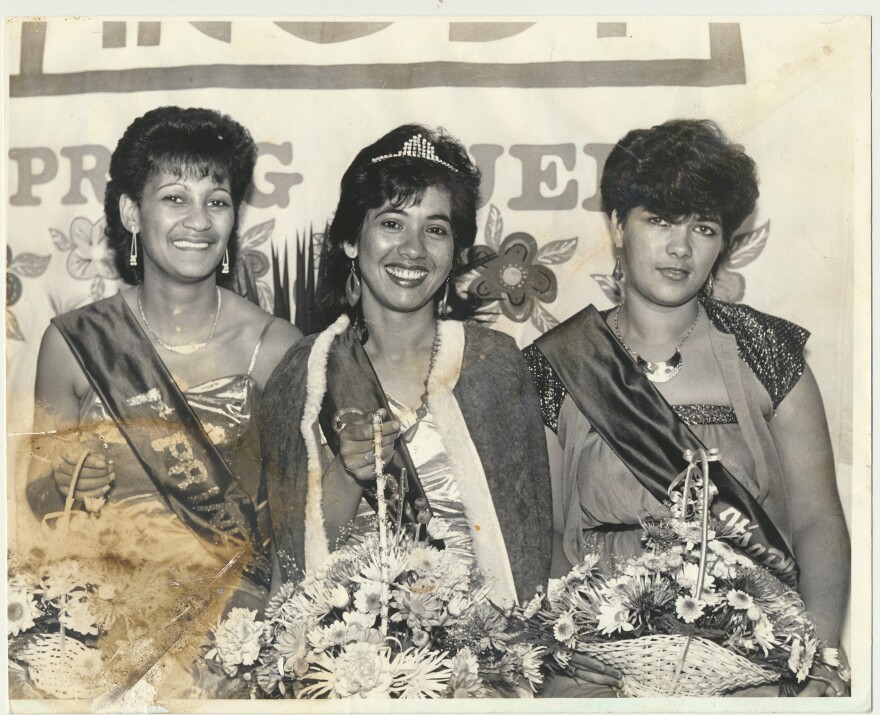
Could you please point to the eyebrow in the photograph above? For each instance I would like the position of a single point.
(402, 212)
(216, 187)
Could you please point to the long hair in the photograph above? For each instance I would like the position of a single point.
(192, 143)
(681, 168)
(400, 181)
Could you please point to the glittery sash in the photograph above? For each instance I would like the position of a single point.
(634, 419)
(159, 425)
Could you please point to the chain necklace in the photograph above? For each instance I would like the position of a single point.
(180, 349)
(422, 410)
(657, 371)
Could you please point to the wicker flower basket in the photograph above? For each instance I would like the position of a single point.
(650, 666)
(664, 665)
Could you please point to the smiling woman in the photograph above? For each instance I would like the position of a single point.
(461, 427)
(144, 401)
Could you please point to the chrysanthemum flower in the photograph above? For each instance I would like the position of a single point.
(531, 658)
(764, 635)
(21, 610)
(368, 598)
(422, 610)
(421, 674)
(361, 670)
(424, 559)
(564, 628)
(613, 617)
(78, 615)
(688, 608)
(739, 599)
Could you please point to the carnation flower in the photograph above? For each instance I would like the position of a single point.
(361, 670)
(238, 638)
(564, 628)
(533, 606)
(613, 617)
(21, 610)
(456, 606)
(364, 620)
(464, 663)
(338, 596)
(688, 609)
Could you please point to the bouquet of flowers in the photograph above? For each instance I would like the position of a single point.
(386, 616)
(92, 588)
(690, 616)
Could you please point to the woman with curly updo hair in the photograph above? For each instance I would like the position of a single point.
(458, 412)
(626, 391)
(144, 400)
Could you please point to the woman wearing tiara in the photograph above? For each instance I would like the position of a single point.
(460, 415)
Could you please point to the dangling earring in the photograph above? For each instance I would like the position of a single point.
(353, 287)
(133, 254)
(443, 308)
(225, 265)
(617, 273)
(709, 286)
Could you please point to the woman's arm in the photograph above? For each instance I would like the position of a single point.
(56, 444)
(820, 539)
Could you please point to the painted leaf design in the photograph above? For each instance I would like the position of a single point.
(557, 251)
(61, 241)
(97, 288)
(29, 265)
(258, 234)
(609, 287)
(543, 319)
(494, 227)
(264, 293)
(13, 331)
(748, 246)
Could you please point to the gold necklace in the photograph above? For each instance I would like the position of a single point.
(180, 349)
(662, 371)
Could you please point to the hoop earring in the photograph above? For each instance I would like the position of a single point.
(353, 287)
(617, 273)
(709, 286)
(133, 253)
(443, 308)
(225, 264)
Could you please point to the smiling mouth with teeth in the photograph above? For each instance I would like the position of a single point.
(196, 245)
(407, 274)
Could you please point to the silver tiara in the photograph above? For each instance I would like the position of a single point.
(419, 148)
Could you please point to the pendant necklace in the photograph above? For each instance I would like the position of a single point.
(180, 349)
(422, 410)
(662, 371)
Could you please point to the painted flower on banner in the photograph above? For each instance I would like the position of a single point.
(515, 272)
(24, 265)
(89, 256)
(729, 284)
(253, 264)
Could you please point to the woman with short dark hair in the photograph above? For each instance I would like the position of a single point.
(145, 399)
(625, 391)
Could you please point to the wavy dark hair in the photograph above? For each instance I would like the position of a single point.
(192, 143)
(681, 168)
(400, 181)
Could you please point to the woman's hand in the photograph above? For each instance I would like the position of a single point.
(356, 454)
(588, 678)
(95, 478)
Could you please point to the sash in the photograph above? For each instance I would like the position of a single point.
(632, 417)
(160, 427)
(352, 383)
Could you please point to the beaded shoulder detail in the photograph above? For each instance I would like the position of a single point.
(550, 389)
(705, 414)
(772, 347)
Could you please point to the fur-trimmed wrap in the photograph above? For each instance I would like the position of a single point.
(500, 410)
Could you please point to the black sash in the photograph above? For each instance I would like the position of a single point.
(352, 383)
(159, 425)
(632, 417)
